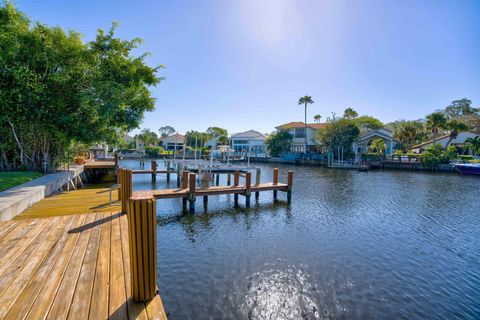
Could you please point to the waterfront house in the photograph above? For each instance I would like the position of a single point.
(212, 143)
(173, 142)
(297, 130)
(250, 142)
(458, 141)
(362, 144)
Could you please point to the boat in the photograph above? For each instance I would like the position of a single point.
(468, 168)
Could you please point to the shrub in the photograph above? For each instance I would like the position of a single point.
(153, 151)
(398, 154)
(465, 157)
(411, 155)
(371, 156)
(429, 159)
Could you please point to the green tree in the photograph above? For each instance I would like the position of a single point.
(408, 132)
(350, 113)
(435, 122)
(473, 144)
(455, 126)
(220, 133)
(338, 133)
(305, 100)
(165, 131)
(317, 118)
(367, 123)
(459, 108)
(148, 138)
(278, 143)
(57, 90)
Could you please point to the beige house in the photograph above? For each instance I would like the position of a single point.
(173, 142)
(297, 130)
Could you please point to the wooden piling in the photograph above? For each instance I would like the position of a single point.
(120, 182)
(154, 170)
(205, 202)
(290, 183)
(275, 182)
(143, 248)
(257, 182)
(179, 170)
(126, 188)
(116, 166)
(191, 196)
(229, 179)
(248, 185)
(184, 186)
(217, 180)
(236, 182)
(168, 171)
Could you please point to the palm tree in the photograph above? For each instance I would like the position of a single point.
(455, 128)
(435, 122)
(317, 118)
(305, 100)
(473, 144)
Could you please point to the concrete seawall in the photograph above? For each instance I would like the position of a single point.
(15, 200)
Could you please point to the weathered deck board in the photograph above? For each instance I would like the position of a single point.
(99, 164)
(73, 266)
(213, 190)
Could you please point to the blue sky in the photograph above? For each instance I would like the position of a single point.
(243, 64)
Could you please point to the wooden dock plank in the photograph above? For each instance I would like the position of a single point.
(80, 306)
(8, 297)
(66, 290)
(118, 305)
(15, 247)
(16, 258)
(135, 310)
(28, 296)
(43, 302)
(100, 294)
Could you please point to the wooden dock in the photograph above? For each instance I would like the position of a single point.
(60, 265)
(99, 164)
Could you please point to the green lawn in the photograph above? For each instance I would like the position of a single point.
(14, 178)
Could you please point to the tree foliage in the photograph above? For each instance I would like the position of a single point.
(278, 143)
(56, 90)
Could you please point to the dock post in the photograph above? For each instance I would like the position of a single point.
(236, 182)
(143, 248)
(168, 171)
(217, 179)
(154, 170)
(275, 182)
(290, 183)
(184, 186)
(179, 170)
(248, 183)
(257, 182)
(191, 195)
(126, 188)
(229, 179)
(205, 202)
(120, 182)
(116, 166)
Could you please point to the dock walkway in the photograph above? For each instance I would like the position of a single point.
(69, 266)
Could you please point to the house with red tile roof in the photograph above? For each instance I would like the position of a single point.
(298, 131)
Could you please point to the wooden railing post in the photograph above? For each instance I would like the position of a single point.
(116, 166)
(275, 182)
(120, 182)
(236, 182)
(248, 185)
(191, 194)
(289, 183)
(143, 248)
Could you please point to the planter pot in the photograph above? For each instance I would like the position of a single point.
(79, 160)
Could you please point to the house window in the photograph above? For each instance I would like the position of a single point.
(299, 132)
(240, 141)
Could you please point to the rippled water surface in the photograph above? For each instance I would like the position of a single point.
(382, 244)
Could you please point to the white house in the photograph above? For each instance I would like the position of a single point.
(212, 143)
(297, 130)
(459, 140)
(173, 142)
(362, 144)
(251, 142)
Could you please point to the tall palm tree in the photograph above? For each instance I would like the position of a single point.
(455, 126)
(473, 144)
(317, 118)
(305, 100)
(435, 122)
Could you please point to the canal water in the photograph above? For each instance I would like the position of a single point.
(376, 245)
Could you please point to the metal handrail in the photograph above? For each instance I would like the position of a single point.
(113, 187)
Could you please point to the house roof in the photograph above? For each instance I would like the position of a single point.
(438, 138)
(250, 134)
(300, 124)
(176, 137)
